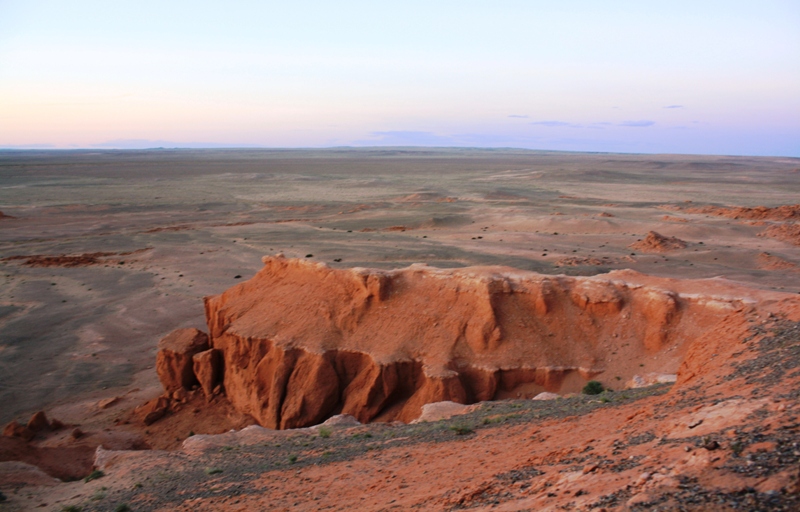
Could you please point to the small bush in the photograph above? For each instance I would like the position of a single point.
(94, 475)
(461, 430)
(324, 432)
(71, 508)
(593, 387)
(292, 458)
(122, 507)
(213, 471)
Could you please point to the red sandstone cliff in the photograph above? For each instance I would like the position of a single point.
(301, 341)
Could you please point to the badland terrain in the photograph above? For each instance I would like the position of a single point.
(398, 328)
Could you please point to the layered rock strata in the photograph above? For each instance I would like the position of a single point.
(300, 342)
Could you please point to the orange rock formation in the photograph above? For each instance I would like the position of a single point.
(783, 212)
(787, 232)
(300, 342)
(656, 242)
(175, 360)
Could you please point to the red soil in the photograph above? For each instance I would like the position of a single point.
(779, 213)
(655, 242)
(700, 439)
(788, 232)
(297, 330)
(771, 262)
(64, 260)
(672, 218)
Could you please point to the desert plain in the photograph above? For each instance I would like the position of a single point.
(104, 253)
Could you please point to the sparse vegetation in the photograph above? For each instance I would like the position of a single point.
(122, 507)
(213, 471)
(593, 387)
(94, 475)
(324, 432)
(71, 508)
(461, 430)
(292, 458)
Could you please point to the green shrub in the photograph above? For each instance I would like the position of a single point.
(122, 507)
(94, 475)
(461, 430)
(324, 432)
(213, 471)
(593, 387)
(71, 508)
(292, 458)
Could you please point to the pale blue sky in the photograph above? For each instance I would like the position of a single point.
(633, 76)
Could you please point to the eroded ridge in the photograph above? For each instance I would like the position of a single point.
(300, 341)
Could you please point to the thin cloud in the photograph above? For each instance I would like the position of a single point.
(637, 124)
(556, 124)
(518, 116)
(674, 106)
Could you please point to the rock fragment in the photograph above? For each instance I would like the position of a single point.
(207, 366)
(656, 242)
(38, 422)
(174, 363)
(15, 429)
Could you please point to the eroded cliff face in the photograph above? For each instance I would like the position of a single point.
(300, 342)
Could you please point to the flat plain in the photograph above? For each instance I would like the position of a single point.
(102, 253)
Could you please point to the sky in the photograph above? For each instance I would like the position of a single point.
(700, 76)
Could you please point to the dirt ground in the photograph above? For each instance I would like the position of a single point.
(103, 253)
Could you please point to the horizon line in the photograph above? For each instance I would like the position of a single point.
(32, 148)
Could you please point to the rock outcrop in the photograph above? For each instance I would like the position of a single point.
(207, 369)
(786, 232)
(656, 242)
(174, 362)
(779, 213)
(300, 342)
